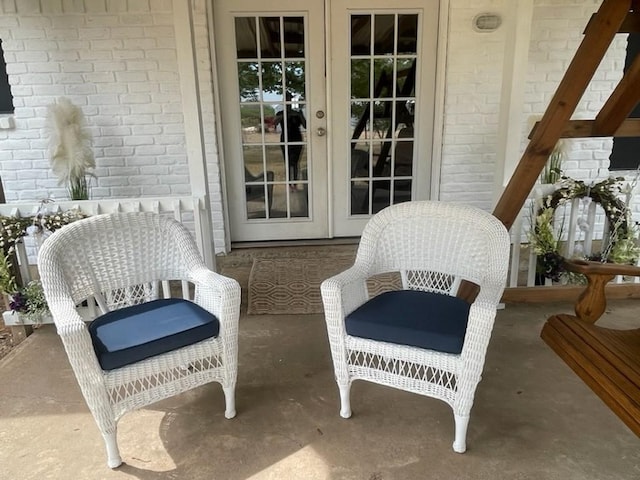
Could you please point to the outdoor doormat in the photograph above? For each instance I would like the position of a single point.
(283, 286)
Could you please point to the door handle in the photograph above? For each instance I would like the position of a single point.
(321, 132)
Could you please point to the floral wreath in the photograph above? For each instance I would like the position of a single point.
(27, 299)
(622, 246)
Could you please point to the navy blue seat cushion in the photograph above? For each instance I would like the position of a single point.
(408, 317)
(131, 334)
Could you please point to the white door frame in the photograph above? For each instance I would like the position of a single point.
(427, 173)
(316, 226)
(438, 121)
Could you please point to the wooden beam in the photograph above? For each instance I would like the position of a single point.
(631, 24)
(622, 101)
(594, 45)
(586, 128)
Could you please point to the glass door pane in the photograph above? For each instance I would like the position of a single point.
(271, 76)
(383, 58)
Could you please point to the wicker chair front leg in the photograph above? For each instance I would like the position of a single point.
(230, 401)
(111, 443)
(460, 440)
(345, 400)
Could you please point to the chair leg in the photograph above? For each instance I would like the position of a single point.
(345, 402)
(460, 441)
(113, 454)
(230, 401)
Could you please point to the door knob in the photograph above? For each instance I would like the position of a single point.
(321, 132)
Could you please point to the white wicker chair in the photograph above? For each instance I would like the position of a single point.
(127, 259)
(434, 246)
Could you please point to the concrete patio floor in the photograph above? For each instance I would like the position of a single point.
(532, 418)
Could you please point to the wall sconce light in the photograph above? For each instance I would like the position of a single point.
(487, 22)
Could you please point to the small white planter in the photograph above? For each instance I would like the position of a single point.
(15, 319)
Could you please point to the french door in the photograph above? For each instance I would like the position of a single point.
(315, 144)
(271, 65)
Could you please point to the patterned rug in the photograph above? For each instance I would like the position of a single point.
(282, 286)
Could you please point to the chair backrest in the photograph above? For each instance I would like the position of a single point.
(436, 245)
(121, 256)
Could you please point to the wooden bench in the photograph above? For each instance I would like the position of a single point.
(607, 360)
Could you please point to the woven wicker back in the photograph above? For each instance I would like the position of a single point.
(116, 253)
(434, 243)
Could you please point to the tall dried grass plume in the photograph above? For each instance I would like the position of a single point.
(70, 152)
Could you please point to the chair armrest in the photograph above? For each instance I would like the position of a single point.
(65, 316)
(341, 295)
(77, 342)
(219, 295)
(344, 292)
(592, 302)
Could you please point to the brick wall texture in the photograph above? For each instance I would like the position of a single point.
(117, 60)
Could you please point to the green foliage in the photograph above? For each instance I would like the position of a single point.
(622, 246)
(7, 279)
(543, 237)
(552, 171)
(271, 73)
(36, 304)
(250, 115)
(29, 299)
(79, 188)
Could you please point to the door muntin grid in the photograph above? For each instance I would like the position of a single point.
(383, 56)
(271, 66)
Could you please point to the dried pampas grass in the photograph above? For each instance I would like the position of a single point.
(70, 151)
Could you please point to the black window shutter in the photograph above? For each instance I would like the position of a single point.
(626, 150)
(6, 99)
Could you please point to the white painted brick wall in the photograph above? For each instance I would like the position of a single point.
(473, 83)
(472, 101)
(116, 59)
(556, 35)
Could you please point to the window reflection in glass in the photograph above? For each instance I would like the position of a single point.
(383, 77)
(359, 119)
(360, 35)
(269, 37)
(382, 110)
(249, 81)
(246, 42)
(293, 37)
(360, 197)
(275, 162)
(401, 191)
(360, 78)
(294, 79)
(360, 161)
(405, 68)
(251, 121)
(407, 34)
(272, 81)
(384, 34)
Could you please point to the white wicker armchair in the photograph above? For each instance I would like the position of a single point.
(437, 248)
(125, 261)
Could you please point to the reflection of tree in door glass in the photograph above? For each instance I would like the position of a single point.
(272, 80)
(383, 108)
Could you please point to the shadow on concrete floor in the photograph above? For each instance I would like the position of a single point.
(532, 417)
